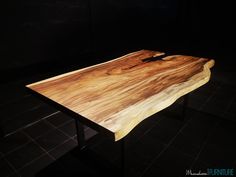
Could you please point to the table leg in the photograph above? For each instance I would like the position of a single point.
(185, 105)
(80, 135)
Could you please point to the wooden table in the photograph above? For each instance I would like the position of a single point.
(115, 96)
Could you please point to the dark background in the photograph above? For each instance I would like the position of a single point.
(43, 38)
(62, 35)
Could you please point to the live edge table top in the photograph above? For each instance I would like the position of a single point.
(119, 94)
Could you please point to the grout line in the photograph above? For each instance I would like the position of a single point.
(28, 125)
(46, 153)
(32, 161)
(48, 122)
(59, 145)
(12, 166)
(164, 149)
(45, 117)
(39, 145)
(30, 138)
(59, 129)
(18, 147)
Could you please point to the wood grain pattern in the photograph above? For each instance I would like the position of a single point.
(121, 93)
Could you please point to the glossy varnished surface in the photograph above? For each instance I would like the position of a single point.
(120, 93)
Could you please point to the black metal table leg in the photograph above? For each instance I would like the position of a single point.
(185, 105)
(80, 135)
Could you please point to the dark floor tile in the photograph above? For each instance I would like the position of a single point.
(18, 107)
(52, 139)
(187, 144)
(5, 168)
(226, 91)
(166, 129)
(89, 133)
(229, 116)
(224, 135)
(199, 165)
(33, 168)
(58, 119)
(200, 94)
(139, 156)
(221, 157)
(175, 111)
(13, 141)
(233, 104)
(73, 164)
(199, 126)
(28, 118)
(204, 92)
(69, 128)
(38, 129)
(24, 155)
(231, 111)
(170, 163)
(196, 102)
(15, 175)
(223, 97)
(142, 128)
(107, 148)
(215, 106)
(63, 148)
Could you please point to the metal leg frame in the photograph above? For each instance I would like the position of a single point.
(82, 144)
(80, 135)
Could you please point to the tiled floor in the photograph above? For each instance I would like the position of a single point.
(41, 141)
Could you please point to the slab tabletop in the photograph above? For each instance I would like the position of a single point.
(119, 94)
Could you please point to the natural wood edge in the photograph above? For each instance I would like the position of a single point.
(205, 75)
(210, 63)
